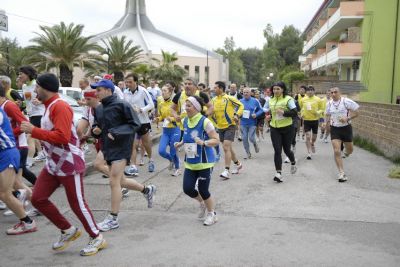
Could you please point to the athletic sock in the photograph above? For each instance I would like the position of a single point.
(115, 215)
(145, 190)
(26, 219)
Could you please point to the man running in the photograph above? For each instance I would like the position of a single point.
(65, 165)
(227, 111)
(339, 112)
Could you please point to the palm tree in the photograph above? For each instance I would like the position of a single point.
(144, 72)
(63, 47)
(167, 70)
(122, 56)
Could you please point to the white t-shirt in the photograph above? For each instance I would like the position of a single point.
(140, 100)
(156, 92)
(118, 92)
(29, 95)
(340, 109)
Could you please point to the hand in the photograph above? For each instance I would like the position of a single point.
(236, 118)
(156, 120)
(96, 130)
(36, 102)
(178, 118)
(110, 136)
(253, 115)
(343, 119)
(81, 102)
(177, 144)
(27, 127)
(199, 141)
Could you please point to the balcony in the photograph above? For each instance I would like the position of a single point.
(344, 52)
(347, 15)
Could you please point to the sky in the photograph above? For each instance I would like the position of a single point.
(205, 23)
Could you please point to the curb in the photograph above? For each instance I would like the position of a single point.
(90, 168)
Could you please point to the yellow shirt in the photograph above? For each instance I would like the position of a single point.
(311, 108)
(164, 112)
(225, 106)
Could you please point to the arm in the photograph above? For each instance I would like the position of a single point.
(16, 115)
(238, 104)
(150, 103)
(61, 115)
(259, 110)
(292, 112)
(266, 106)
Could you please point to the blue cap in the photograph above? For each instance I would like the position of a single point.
(103, 83)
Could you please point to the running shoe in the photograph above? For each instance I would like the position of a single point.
(141, 162)
(240, 139)
(150, 195)
(151, 166)
(94, 245)
(248, 155)
(105, 176)
(225, 175)
(309, 156)
(237, 168)
(176, 172)
(3, 205)
(131, 170)
(287, 160)
(210, 219)
(33, 212)
(41, 156)
(202, 211)
(256, 147)
(342, 177)
(325, 140)
(293, 169)
(108, 224)
(125, 193)
(66, 238)
(22, 228)
(278, 178)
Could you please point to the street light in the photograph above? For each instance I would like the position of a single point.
(271, 74)
(106, 56)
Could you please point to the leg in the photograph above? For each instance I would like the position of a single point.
(287, 138)
(146, 140)
(162, 146)
(227, 151)
(134, 151)
(100, 164)
(276, 139)
(116, 174)
(189, 183)
(336, 144)
(174, 138)
(7, 179)
(75, 194)
(26, 173)
(348, 148)
(203, 185)
(44, 188)
(252, 134)
(245, 137)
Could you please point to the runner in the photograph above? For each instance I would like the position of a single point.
(282, 109)
(299, 98)
(339, 112)
(227, 111)
(142, 104)
(238, 95)
(325, 127)
(65, 165)
(116, 123)
(198, 139)
(171, 132)
(311, 109)
(9, 165)
(252, 110)
(261, 119)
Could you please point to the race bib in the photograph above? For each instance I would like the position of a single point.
(279, 117)
(308, 106)
(246, 114)
(165, 123)
(190, 150)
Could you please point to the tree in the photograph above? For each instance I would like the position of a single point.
(290, 45)
(167, 70)
(144, 72)
(289, 77)
(63, 47)
(252, 64)
(122, 56)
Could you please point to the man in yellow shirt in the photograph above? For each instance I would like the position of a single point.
(227, 111)
(311, 109)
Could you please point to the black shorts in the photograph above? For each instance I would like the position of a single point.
(311, 126)
(345, 133)
(35, 120)
(144, 129)
(227, 133)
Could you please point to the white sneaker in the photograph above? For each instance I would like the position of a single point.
(41, 156)
(124, 192)
(131, 171)
(278, 178)
(325, 140)
(342, 177)
(293, 169)
(22, 228)
(309, 157)
(66, 238)
(225, 175)
(94, 245)
(287, 160)
(210, 219)
(108, 224)
(3, 205)
(237, 168)
(176, 172)
(33, 212)
(202, 211)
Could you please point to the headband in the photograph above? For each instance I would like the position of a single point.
(91, 93)
(195, 103)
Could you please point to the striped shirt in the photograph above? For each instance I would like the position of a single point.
(7, 139)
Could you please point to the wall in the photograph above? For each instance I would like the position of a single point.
(378, 32)
(380, 124)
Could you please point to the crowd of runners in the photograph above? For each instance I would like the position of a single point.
(202, 122)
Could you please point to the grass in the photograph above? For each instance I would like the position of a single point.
(369, 146)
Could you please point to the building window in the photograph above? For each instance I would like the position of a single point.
(196, 72)
(187, 68)
(348, 76)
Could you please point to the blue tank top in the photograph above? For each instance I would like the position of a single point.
(7, 139)
(204, 154)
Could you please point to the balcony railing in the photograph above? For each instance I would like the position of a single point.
(344, 51)
(347, 9)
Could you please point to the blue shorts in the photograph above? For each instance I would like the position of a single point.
(9, 158)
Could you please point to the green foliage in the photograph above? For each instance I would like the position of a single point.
(252, 65)
(167, 70)
(63, 47)
(289, 77)
(395, 172)
(144, 72)
(237, 72)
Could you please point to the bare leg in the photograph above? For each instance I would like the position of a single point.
(7, 179)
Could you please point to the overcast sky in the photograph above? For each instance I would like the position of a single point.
(205, 23)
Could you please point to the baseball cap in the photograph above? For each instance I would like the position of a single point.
(107, 76)
(103, 83)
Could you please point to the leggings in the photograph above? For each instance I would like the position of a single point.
(282, 138)
(189, 183)
(26, 173)
(168, 138)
